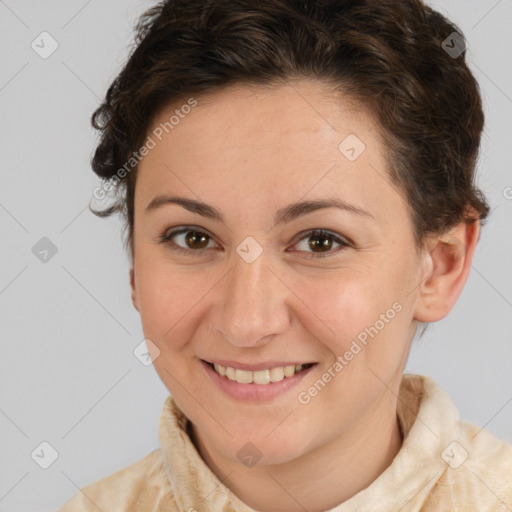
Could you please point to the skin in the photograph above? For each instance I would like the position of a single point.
(249, 151)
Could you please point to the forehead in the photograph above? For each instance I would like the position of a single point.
(266, 116)
(266, 145)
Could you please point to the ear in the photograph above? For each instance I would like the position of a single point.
(134, 290)
(448, 258)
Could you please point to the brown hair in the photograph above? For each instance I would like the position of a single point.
(392, 56)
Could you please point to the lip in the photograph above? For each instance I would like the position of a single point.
(255, 367)
(254, 392)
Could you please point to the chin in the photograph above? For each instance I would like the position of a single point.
(266, 449)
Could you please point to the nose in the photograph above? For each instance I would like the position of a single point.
(252, 308)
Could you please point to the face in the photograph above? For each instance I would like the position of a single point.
(238, 277)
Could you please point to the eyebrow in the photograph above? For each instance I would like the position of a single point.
(283, 215)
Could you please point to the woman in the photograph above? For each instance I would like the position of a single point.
(297, 180)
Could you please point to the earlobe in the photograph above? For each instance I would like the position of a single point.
(450, 257)
(134, 291)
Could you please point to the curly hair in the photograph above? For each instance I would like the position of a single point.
(393, 57)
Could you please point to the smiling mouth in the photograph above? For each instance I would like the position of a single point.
(271, 375)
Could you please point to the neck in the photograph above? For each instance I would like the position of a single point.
(320, 479)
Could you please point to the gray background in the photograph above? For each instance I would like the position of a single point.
(68, 329)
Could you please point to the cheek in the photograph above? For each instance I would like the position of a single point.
(167, 302)
(364, 318)
(341, 306)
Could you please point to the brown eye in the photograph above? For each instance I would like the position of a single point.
(196, 239)
(321, 243)
(187, 240)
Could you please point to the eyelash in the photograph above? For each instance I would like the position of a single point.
(166, 238)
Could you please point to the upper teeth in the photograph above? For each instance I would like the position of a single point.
(259, 377)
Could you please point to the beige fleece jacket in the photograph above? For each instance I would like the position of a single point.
(443, 465)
